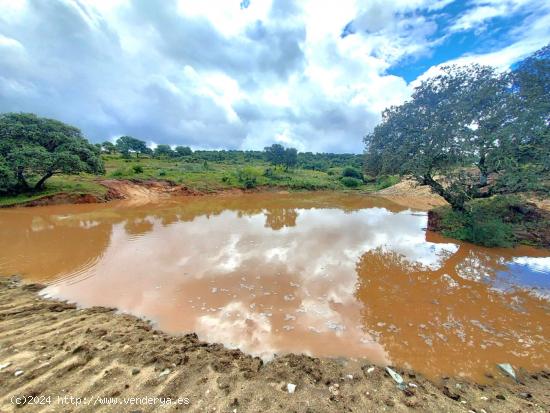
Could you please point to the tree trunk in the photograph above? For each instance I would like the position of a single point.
(40, 184)
(483, 174)
(456, 202)
(22, 182)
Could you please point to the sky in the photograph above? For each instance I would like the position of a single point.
(244, 74)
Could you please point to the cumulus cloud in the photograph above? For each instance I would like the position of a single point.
(214, 74)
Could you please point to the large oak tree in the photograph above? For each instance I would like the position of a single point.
(469, 132)
(33, 149)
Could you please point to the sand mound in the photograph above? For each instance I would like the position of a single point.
(408, 193)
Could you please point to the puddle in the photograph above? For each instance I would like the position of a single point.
(321, 274)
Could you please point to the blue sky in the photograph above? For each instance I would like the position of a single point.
(239, 74)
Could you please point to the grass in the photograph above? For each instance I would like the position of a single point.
(211, 176)
(71, 184)
(199, 175)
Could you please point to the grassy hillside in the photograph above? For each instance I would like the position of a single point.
(207, 175)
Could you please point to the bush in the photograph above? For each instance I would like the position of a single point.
(308, 184)
(350, 182)
(162, 172)
(351, 172)
(119, 172)
(138, 169)
(488, 222)
(273, 174)
(386, 181)
(248, 177)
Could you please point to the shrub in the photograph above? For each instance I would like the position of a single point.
(162, 172)
(248, 177)
(119, 172)
(350, 182)
(488, 222)
(308, 184)
(138, 169)
(351, 172)
(386, 181)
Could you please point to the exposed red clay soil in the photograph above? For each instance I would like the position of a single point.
(136, 191)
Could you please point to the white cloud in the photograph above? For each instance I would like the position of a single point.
(210, 75)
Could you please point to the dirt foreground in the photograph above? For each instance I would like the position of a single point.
(55, 357)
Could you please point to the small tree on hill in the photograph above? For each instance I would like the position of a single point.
(127, 144)
(108, 147)
(163, 151)
(183, 151)
(279, 155)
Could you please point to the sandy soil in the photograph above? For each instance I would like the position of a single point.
(409, 194)
(50, 351)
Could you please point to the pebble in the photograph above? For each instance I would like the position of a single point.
(164, 372)
(291, 388)
(18, 373)
(349, 377)
(3, 366)
(135, 371)
(370, 369)
(413, 385)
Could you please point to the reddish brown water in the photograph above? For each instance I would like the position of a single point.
(323, 274)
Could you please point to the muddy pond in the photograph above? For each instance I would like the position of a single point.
(322, 274)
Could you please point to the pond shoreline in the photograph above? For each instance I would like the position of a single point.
(59, 349)
(148, 190)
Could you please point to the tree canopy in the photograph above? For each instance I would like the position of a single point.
(468, 133)
(33, 149)
(279, 155)
(183, 151)
(127, 144)
(163, 151)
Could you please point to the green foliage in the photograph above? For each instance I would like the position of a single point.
(467, 134)
(127, 144)
(35, 149)
(119, 173)
(7, 177)
(248, 177)
(162, 172)
(279, 155)
(183, 151)
(385, 181)
(489, 222)
(108, 147)
(351, 172)
(163, 151)
(350, 182)
(138, 169)
(310, 184)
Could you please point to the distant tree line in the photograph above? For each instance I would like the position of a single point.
(33, 149)
(276, 154)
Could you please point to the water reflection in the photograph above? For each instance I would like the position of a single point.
(321, 274)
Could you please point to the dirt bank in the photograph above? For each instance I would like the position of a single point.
(409, 194)
(135, 192)
(51, 350)
(146, 190)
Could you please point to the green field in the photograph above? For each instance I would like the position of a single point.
(203, 175)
